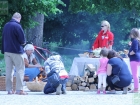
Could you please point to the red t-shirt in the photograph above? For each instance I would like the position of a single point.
(103, 40)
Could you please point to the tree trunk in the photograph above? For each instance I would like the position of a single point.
(36, 31)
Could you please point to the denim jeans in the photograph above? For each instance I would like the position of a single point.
(63, 82)
(50, 89)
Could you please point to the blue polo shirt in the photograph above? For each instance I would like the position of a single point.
(13, 37)
(136, 48)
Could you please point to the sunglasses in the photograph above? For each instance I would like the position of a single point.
(103, 26)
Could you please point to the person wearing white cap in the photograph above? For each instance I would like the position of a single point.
(32, 67)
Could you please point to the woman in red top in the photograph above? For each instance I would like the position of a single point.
(105, 37)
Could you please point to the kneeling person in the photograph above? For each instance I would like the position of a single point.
(54, 65)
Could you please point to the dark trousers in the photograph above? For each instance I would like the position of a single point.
(111, 85)
(50, 89)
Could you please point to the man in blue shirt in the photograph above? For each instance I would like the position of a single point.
(12, 40)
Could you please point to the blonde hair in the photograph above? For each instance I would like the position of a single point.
(16, 15)
(106, 23)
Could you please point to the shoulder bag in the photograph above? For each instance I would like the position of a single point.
(116, 78)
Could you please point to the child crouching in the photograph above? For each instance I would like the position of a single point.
(55, 64)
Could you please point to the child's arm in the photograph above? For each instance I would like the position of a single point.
(98, 66)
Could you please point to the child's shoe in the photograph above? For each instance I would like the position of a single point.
(104, 92)
(98, 92)
(64, 92)
(58, 89)
(125, 89)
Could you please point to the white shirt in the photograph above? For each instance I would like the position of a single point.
(32, 56)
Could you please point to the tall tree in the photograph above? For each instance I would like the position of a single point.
(32, 12)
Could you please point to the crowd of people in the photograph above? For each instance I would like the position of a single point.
(115, 64)
(23, 61)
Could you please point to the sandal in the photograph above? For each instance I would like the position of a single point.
(11, 92)
(21, 92)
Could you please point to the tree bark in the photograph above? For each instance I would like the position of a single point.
(36, 31)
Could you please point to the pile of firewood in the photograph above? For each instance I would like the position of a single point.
(84, 83)
(88, 82)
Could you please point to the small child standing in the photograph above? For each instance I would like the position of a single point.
(102, 71)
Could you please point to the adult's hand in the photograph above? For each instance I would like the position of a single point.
(132, 52)
(129, 43)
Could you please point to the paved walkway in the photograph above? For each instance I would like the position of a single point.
(72, 98)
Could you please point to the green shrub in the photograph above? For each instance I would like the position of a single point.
(1, 56)
(2, 66)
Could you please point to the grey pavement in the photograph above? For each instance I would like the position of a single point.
(71, 98)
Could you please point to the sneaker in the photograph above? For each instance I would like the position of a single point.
(104, 92)
(125, 89)
(64, 92)
(98, 92)
(134, 91)
(58, 89)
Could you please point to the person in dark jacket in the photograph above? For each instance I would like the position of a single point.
(13, 39)
(117, 66)
(134, 55)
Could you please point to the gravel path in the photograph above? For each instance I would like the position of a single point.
(72, 98)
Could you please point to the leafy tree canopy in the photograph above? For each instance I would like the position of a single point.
(96, 6)
(29, 8)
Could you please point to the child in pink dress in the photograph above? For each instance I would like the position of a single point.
(101, 72)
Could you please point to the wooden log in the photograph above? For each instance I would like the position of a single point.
(68, 88)
(86, 79)
(92, 87)
(83, 84)
(88, 84)
(80, 84)
(74, 87)
(81, 88)
(75, 78)
(82, 79)
(86, 88)
(85, 73)
(91, 67)
(94, 76)
(88, 72)
(91, 80)
(91, 74)
(76, 81)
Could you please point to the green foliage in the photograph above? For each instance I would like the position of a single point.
(70, 29)
(67, 60)
(95, 6)
(2, 67)
(1, 56)
(28, 9)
